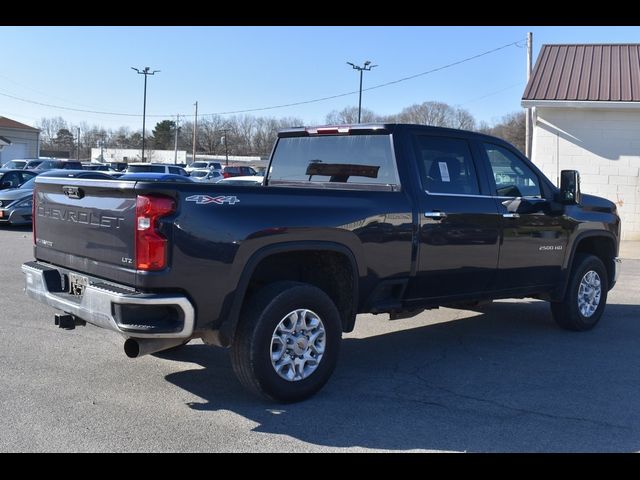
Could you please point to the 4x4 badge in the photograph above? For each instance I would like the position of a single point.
(206, 199)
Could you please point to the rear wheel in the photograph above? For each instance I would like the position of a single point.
(585, 297)
(287, 342)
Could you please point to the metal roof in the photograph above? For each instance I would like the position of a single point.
(8, 123)
(586, 72)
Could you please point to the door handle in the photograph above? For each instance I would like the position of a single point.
(510, 215)
(435, 215)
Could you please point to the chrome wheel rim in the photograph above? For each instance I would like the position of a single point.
(297, 345)
(589, 293)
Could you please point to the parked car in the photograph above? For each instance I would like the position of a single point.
(155, 177)
(15, 164)
(209, 176)
(100, 167)
(252, 180)
(118, 166)
(16, 203)
(58, 165)
(155, 168)
(33, 164)
(238, 172)
(14, 178)
(204, 165)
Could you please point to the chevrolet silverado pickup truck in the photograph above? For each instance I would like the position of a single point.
(350, 219)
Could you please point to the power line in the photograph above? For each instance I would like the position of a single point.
(70, 108)
(273, 107)
(404, 79)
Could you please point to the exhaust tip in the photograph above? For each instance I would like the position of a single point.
(132, 348)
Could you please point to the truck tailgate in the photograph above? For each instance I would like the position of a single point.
(86, 225)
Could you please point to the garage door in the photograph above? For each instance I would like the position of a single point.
(15, 150)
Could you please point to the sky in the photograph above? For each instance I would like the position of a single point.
(230, 69)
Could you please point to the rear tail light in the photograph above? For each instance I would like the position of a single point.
(328, 130)
(151, 246)
(226, 174)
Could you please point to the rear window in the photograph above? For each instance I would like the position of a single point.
(199, 165)
(72, 165)
(146, 168)
(356, 159)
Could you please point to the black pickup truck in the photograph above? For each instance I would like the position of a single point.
(350, 219)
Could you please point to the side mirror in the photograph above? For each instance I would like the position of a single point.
(570, 186)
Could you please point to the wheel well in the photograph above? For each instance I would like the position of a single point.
(601, 247)
(330, 271)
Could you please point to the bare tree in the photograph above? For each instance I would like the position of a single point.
(511, 128)
(349, 115)
(463, 119)
(49, 128)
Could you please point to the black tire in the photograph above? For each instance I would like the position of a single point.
(567, 313)
(251, 347)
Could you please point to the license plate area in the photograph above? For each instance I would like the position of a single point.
(77, 284)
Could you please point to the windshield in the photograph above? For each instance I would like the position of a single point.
(28, 184)
(199, 165)
(199, 174)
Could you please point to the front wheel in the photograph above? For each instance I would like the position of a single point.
(287, 342)
(585, 297)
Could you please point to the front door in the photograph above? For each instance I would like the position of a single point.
(459, 223)
(534, 243)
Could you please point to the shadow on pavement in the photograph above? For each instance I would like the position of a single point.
(17, 228)
(505, 380)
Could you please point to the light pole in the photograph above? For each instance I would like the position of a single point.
(224, 139)
(146, 71)
(366, 67)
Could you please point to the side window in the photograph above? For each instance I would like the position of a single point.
(11, 179)
(512, 176)
(174, 170)
(446, 165)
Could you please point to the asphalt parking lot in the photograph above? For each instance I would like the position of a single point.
(503, 380)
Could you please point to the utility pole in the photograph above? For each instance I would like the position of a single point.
(195, 129)
(175, 145)
(78, 144)
(529, 120)
(367, 66)
(226, 150)
(146, 72)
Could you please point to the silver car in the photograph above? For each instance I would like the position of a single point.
(16, 204)
(208, 176)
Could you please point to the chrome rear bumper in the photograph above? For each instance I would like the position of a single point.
(107, 305)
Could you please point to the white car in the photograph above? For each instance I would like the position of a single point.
(204, 165)
(155, 168)
(208, 176)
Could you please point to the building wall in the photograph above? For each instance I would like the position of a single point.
(134, 155)
(24, 144)
(603, 145)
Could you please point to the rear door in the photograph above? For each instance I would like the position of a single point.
(533, 244)
(459, 225)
